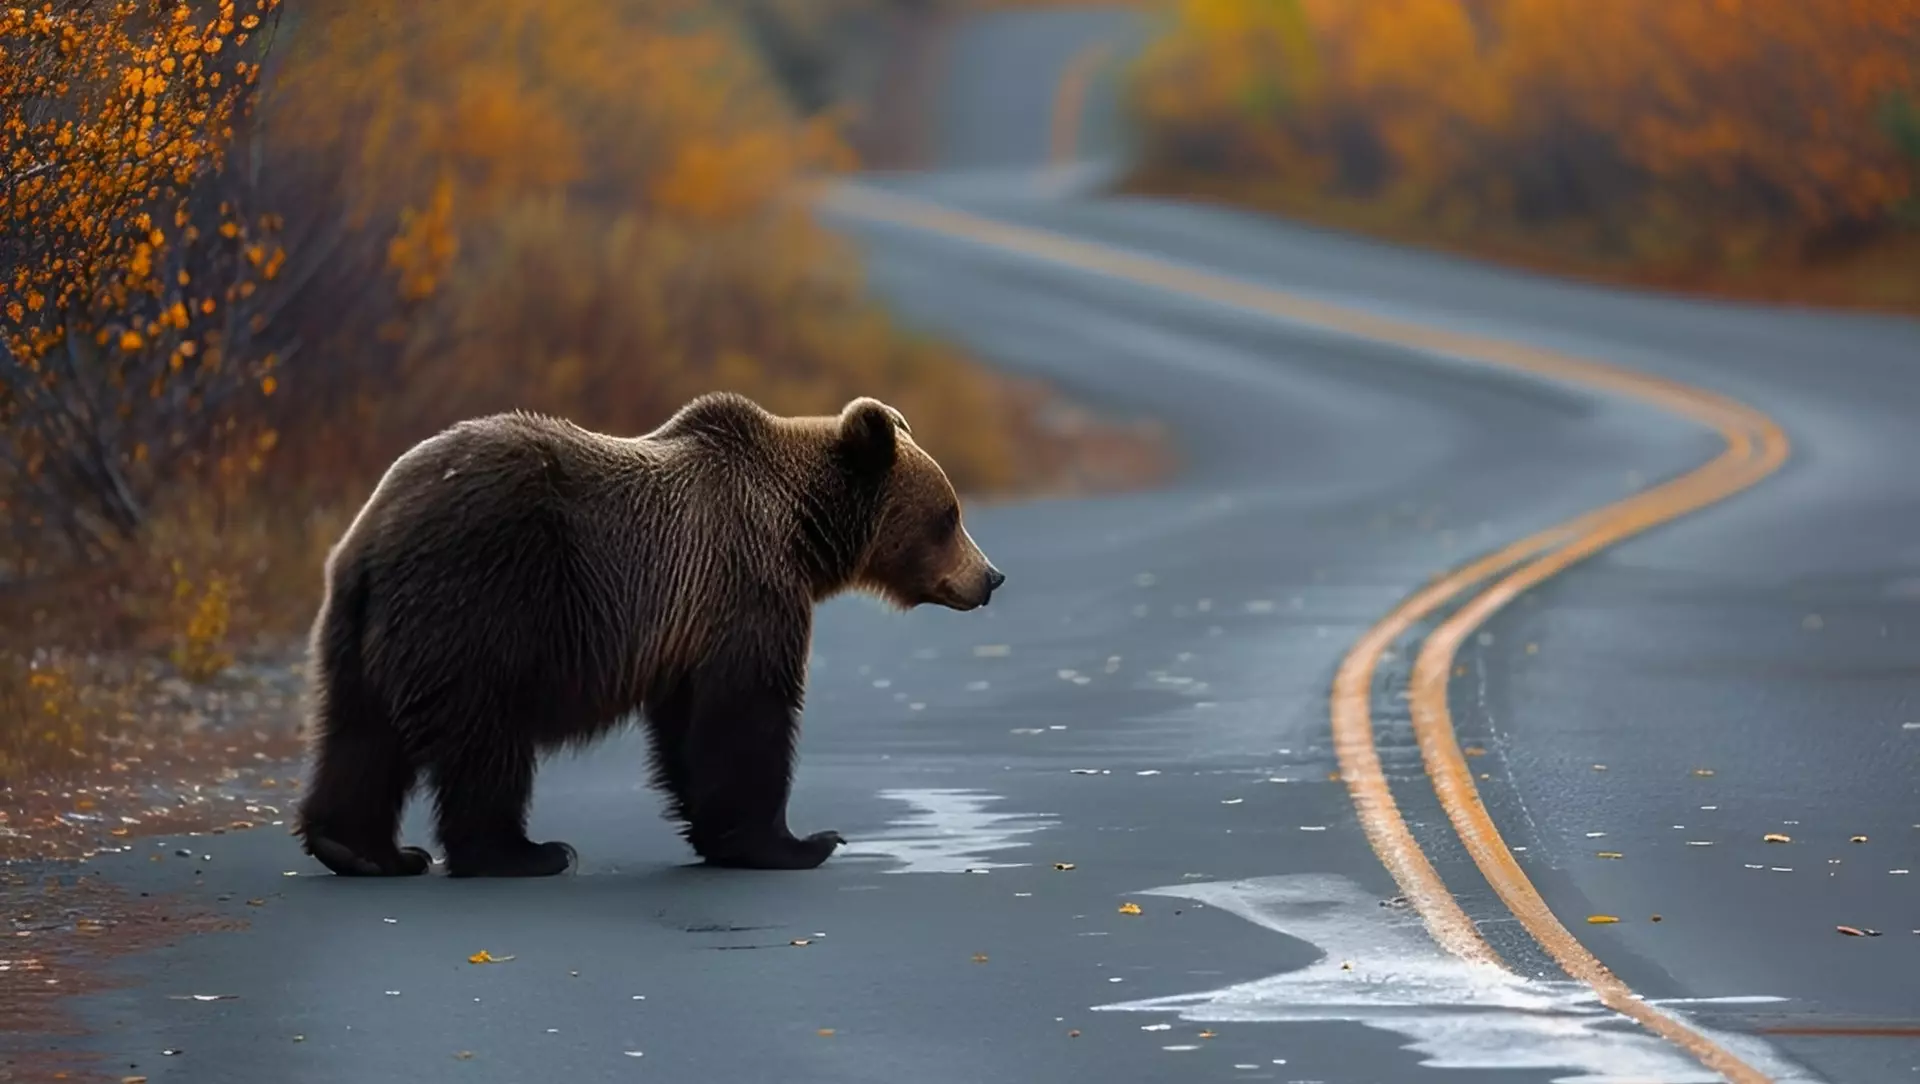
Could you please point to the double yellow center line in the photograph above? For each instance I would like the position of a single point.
(1755, 448)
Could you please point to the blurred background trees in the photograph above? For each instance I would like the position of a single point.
(1713, 138)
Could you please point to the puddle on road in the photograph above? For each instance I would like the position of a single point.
(948, 831)
(1454, 1014)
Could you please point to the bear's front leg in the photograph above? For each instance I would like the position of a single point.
(739, 771)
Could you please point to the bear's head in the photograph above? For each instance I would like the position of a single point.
(920, 551)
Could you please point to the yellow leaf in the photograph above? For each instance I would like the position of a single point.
(1129, 908)
(1601, 920)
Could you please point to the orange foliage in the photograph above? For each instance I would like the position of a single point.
(133, 287)
(590, 211)
(1703, 131)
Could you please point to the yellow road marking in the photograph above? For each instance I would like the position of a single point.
(1070, 101)
(1756, 447)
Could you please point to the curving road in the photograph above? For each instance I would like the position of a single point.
(1148, 701)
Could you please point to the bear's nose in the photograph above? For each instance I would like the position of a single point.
(995, 578)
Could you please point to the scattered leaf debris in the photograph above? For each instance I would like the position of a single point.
(464, 1055)
(1608, 854)
(1063, 865)
(1073, 1033)
(1854, 931)
(1129, 908)
(1777, 837)
(1207, 1034)
(1856, 839)
(1703, 772)
(1601, 920)
(1656, 918)
(801, 942)
(979, 957)
(826, 1033)
(203, 997)
(485, 957)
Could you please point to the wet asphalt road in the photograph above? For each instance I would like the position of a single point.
(1147, 700)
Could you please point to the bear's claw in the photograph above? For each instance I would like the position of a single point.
(344, 861)
(786, 853)
(523, 858)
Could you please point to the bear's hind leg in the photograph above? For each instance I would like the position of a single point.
(482, 796)
(349, 818)
(739, 758)
(667, 722)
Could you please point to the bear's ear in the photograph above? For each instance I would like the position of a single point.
(870, 433)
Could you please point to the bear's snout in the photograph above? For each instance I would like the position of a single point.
(995, 578)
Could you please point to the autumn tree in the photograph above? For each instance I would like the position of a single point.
(591, 209)
(1716, 131)
(135, 309)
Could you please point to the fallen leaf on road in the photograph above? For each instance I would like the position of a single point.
(485, 957)
(1777, 837)
(1208, 1034)
(801, 942)
(1608, 854)
(1129, 908)
(1074, 1033)
(464, 1055)
(1474, 751)
(1857, 839)
(1852, 931)
(1703, 771)
(133, 1080)
(633, 1053)
(1601, 920)
(826, 1033)
(1063, 865)
(204, 997)
(979, 957)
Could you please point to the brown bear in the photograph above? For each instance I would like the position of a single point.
(517, 583)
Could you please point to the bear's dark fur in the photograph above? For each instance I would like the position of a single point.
(517, 583)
